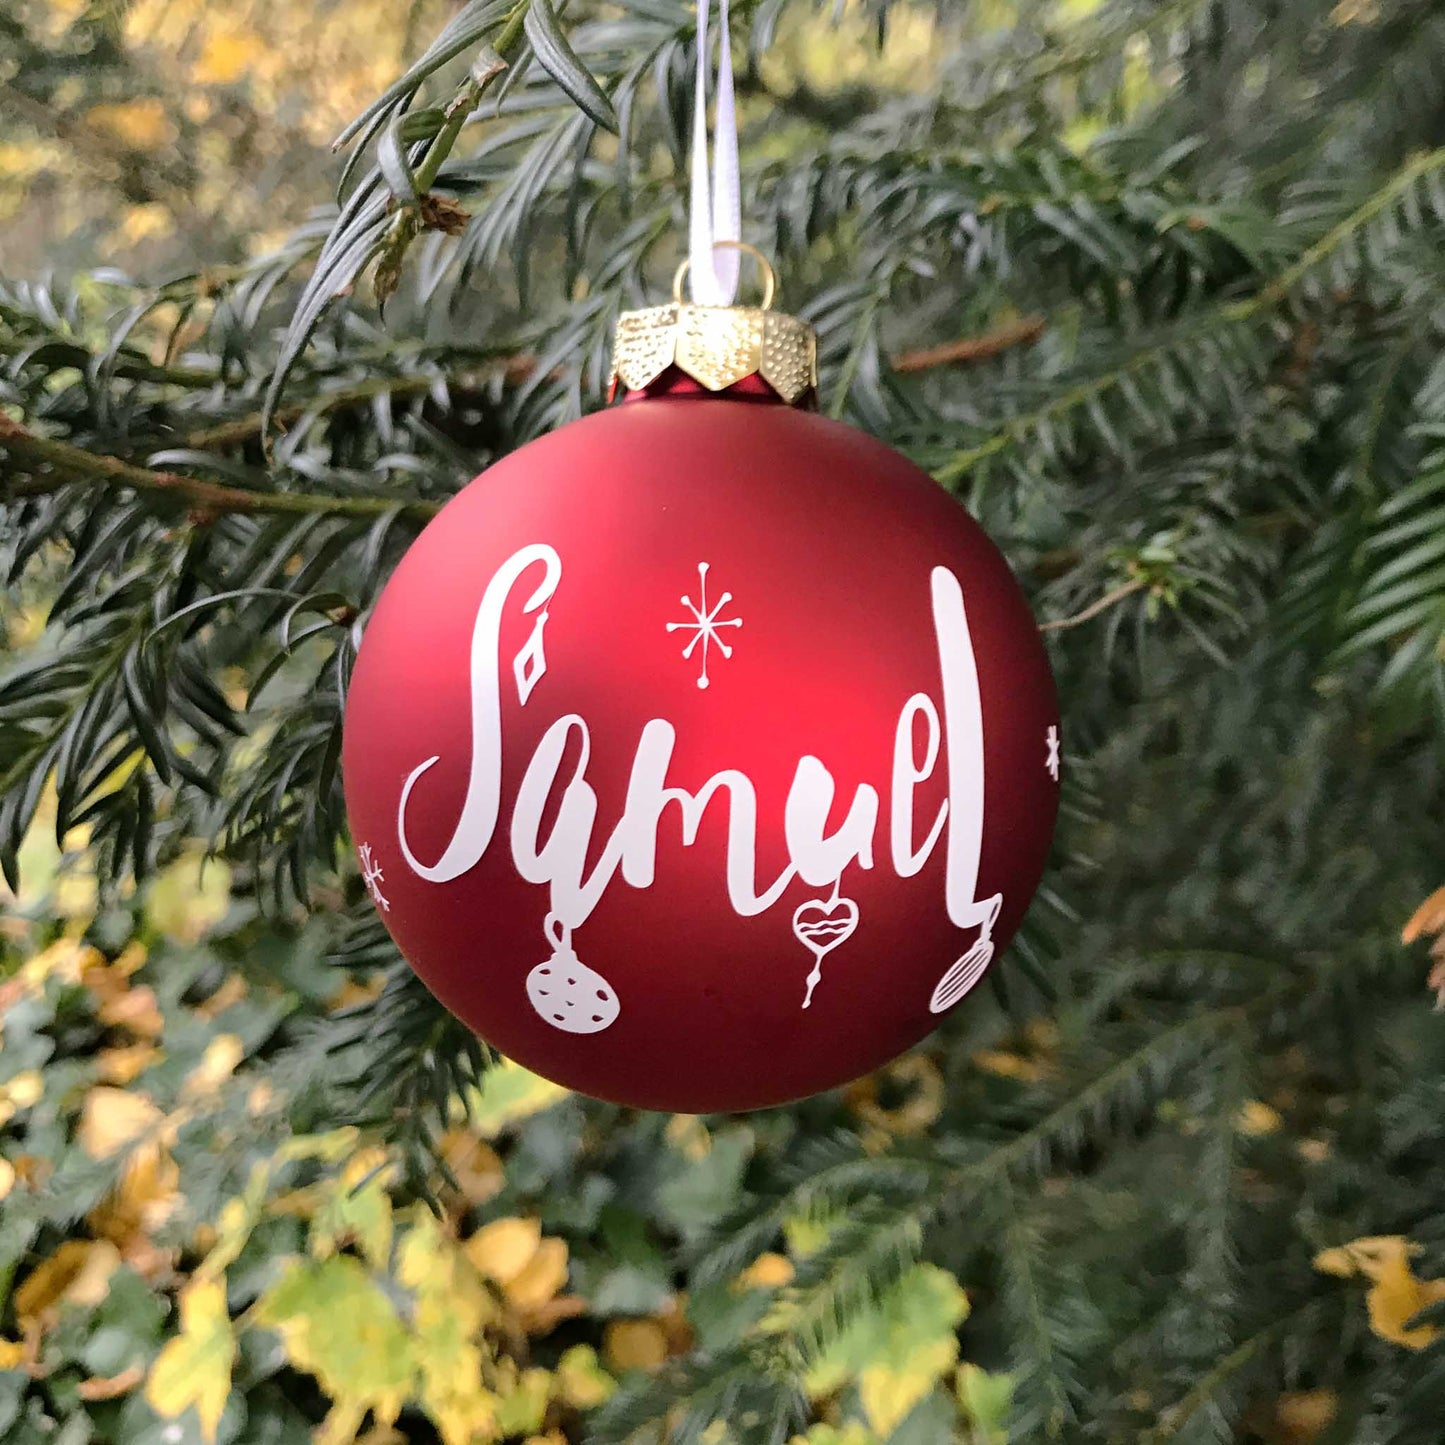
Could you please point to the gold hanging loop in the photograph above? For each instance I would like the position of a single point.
(770, 279)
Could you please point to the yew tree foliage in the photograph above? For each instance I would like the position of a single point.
(1192, 253)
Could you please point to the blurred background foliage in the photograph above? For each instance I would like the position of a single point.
(1156, 288)
(157, 134)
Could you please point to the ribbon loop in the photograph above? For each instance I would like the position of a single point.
(716, 211)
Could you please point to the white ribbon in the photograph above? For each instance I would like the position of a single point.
(716, 215)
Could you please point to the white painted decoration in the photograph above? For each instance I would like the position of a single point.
(372, 876)
(566, 993)
(820, 925)
(705, 624)
(558, 859)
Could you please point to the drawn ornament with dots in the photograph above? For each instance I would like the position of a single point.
(703, 754)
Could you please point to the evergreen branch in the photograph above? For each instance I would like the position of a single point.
(1199, 327)
(1222, 1374)
(1404, 180)
(1068, 55)
(103, 471)
(512, 369)
(851, 1272)
(1043, 1372)
(1163, 1053)
(245, 428)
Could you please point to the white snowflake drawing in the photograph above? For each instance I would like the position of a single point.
(372, 876)
(1052, 763)
(705, 623)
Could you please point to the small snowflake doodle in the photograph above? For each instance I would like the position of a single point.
(372, 876)
(1051, 740)
(705, 624)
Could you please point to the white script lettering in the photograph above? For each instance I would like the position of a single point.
(818, 858)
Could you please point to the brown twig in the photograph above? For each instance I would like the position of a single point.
(972, 349)
(32, 451)
(1103, 604)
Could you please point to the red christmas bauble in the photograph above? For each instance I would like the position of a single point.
(701, 754)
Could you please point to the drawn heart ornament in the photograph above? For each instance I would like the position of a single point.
(820, 926)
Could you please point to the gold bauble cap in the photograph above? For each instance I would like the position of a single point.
(717, 346)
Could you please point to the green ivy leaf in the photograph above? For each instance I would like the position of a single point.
(337, 1324)
(194, 1369)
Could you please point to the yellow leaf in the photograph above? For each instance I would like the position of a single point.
(194, 1368)
(807, 1233)
(21, 1092)
(135, 1009)
(110, 1119)
(452, 1308)
(916, 1077)
(235, 1224)
(217, 1065)
(66, 959)
(337, 1324)
(352, 993)
(1427, 919)
(1355, 12)
(509, 1093)
(353, 1212)
(503, 1249)
(689, 1136)
(7, 1177)
(145, 1196)
(141, 123)
(227, 56)
(634, 1344)
(1396, 1293)
(1366, 1256)
(1005, 1065)
(474, 1164)
(231, 991)
(121, 1066)
(130, 959)
(14, 1354)
(580, 1381)
(898, 1349)
(767, 1271)
(1257, 1118)
(542, 1277)
(149, 221)
(78, 1273)
(521, 1398)
(888, 1392)
(190, 897)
